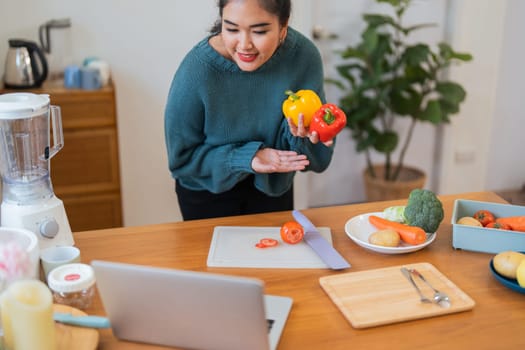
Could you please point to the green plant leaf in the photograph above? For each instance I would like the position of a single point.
(446, 51)
(386, 142)
(405, 101)
(462, 56)
(415, 55)
(347, 70)
(394, 3)
(378, 58)
(416, 73)
(352, 52)
(448, 107)
(432, 112)
(376, 20)
(451, 92)
(370, 40)
(408, 30)
(364, 110)
(364, 137)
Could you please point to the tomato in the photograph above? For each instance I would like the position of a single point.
(292, 232)
(498, 225)
(267, 243)
(484, 217)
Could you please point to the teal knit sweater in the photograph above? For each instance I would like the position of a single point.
(217, 116)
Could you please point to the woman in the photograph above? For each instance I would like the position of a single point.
(229, 147)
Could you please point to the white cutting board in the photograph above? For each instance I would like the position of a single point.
(234, 246)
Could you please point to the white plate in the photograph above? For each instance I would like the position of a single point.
(359, 229)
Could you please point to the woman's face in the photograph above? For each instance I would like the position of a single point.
(250, 34)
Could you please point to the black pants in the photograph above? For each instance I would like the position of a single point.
(244, 198)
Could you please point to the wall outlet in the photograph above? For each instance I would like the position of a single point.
(465, 156)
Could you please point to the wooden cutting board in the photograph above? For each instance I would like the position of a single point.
(234, 246)
(72, 337)
(383, 296)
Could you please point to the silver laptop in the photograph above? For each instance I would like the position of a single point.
(188, 309)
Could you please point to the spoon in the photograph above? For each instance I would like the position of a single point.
(407, 274)
(440, 298)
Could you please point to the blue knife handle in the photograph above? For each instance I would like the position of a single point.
(82, 321)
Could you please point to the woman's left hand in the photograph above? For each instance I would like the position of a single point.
(301, 131)
(269, 160)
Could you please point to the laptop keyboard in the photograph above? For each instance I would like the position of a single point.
(270, 324)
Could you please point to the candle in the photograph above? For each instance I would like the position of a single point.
(27, 316)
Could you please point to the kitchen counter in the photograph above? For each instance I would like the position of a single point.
(496, 321)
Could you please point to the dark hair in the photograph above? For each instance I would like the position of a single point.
(280, 8)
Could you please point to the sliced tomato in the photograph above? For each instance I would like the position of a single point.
(484, 216)
(267, 243)
(292, 232)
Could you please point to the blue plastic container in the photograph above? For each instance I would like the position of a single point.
(481, 239)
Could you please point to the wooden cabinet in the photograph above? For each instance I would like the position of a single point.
(85, 173)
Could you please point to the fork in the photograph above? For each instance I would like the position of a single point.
(407, 274)
(440, 298)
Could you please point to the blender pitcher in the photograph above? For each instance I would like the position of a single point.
(28, 200)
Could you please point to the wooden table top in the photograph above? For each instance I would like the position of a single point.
(496, 321)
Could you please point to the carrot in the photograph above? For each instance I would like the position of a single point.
(409, 234)
(516, 223)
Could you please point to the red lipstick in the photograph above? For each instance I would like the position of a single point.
(246, 57)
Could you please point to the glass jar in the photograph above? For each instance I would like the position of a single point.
(73, 285)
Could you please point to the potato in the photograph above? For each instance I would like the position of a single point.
(385, 238)
(506, 263)
(520, 274)
(470, 221)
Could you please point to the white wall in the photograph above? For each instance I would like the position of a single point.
(465, 161)
(144, 41)
(506, 165)
(483, 148)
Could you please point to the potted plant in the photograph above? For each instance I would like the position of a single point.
(385, 77)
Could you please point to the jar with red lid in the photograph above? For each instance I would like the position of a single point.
(73, 285)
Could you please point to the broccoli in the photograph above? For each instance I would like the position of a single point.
(423, 209)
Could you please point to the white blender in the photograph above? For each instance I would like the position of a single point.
(28, 200)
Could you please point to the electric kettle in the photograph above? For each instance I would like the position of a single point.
(25, 65)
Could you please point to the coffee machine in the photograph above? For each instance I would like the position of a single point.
(28, 200)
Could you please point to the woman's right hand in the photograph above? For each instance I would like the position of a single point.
(302, 131)
(269, 160)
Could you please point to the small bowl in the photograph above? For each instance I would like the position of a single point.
(28, 241)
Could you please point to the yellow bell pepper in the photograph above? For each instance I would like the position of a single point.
(303, 101)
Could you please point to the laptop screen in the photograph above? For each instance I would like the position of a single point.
(186, 308)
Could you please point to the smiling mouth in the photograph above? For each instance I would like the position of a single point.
(246, 57)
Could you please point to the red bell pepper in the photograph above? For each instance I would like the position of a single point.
(328, 121)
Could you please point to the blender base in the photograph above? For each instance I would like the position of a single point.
(47, 220)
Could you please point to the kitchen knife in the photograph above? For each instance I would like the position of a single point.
(82, 321)
(313, 238)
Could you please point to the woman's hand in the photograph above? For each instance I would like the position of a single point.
(269, 160)
(301, 131)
